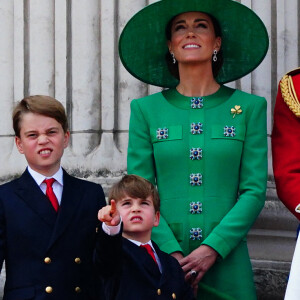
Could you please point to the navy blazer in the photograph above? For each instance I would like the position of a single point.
(129, 272)
(49, 255)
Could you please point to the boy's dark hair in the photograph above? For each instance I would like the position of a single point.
(42, 105)
(136, 187)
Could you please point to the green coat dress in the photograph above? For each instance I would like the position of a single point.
(208, 158)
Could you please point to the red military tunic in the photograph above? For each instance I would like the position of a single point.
(286, 141)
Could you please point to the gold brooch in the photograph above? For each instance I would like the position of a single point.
(236, 110)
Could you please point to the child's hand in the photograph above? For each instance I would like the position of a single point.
(109, 214)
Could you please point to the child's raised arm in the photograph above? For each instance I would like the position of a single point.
(109, 214)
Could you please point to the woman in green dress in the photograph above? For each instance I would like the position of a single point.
(203, 144)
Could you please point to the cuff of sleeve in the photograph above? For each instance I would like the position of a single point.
(112, 230)
(218, 244)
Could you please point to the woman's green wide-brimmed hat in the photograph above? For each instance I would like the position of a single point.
(143, 46)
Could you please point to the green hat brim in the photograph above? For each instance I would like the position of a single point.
(143, 45)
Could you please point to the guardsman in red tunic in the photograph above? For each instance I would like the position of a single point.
(286, 141)
(286, 160)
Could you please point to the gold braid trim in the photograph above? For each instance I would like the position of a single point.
(289, 94)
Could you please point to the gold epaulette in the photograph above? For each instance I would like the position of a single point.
(288, 92)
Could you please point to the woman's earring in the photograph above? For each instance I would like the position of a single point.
(173, 57)
(215, 56)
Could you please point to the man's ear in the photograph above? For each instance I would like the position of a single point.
(156, 219)
(19, 144)
(67, 138)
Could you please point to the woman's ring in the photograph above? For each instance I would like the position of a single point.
(193, 273)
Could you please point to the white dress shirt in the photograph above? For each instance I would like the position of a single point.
(57, 185)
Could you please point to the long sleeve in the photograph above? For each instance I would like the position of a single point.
(140, 161)
(252, 186)
(285, 152)
(108, 254)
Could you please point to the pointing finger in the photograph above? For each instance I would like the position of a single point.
(113, 207)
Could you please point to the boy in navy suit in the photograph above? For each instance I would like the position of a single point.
(130, 270)
(48, 218)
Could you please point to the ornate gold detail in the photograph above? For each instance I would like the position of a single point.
(289, 94)
(236, 110)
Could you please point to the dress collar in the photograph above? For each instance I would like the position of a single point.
(184, 102)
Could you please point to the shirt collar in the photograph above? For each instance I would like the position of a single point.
(139, 243)
(39, 178)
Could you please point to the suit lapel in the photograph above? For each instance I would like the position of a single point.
(28, 190)
(144, 259)
(71, 198)
(164, 264)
